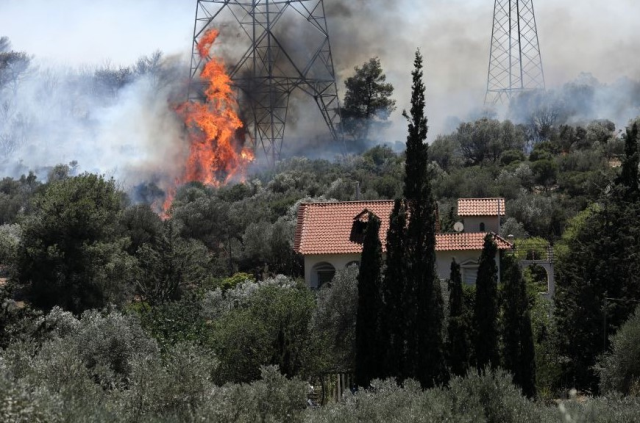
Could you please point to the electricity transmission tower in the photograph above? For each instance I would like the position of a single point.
(515, 63)
(280, 46)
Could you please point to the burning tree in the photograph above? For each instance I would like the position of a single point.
(214, 130)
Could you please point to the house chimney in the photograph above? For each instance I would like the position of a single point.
(357, 191)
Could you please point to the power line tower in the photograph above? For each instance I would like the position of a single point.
(284, 46)
(515, 63)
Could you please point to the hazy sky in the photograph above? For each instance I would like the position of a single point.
(596, 36)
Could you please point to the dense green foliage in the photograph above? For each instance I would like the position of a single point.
(72, 252)
(619, 368)
(103, 367)
(334, 320)
(256, 324)
(66, 372)
(248, 227)
(110, 313)
(598, 285)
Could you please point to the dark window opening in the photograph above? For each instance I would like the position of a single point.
(325, 276)
(324, 273)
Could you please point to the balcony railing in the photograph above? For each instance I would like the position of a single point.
(533, 252)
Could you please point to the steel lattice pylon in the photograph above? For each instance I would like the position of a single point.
(275, 61)
(515, 63)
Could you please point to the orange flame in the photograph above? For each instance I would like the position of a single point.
(216, 141)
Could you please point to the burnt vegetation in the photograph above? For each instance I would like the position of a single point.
(109, 312)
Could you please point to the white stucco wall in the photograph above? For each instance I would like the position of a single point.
(443, 260)
(340, 261)
(491, 224)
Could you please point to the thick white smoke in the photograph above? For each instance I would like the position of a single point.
(134, 135)
(590, 36)
(113, 121)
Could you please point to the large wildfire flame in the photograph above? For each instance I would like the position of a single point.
(215, 132)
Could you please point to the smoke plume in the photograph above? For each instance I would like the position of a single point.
(59, 113)
(109, 120)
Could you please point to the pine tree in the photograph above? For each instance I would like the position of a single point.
(485, 316)
(368, 348)
(393, 286)
(425, 352)
(458, 330)
(519, 351)
(367, 101)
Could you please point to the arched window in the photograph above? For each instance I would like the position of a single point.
(322, 273)
(482, 227)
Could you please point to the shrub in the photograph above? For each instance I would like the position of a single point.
(272, 399)
(174, 322)
(619, 368)
(490, 397)
(511, 156)
(260, 324)
(72, 253)
(334, 319)
(172, 386)
(232, 281)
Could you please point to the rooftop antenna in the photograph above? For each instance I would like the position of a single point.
(458, 227)
(515, 62)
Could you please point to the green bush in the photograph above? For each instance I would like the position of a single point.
(233, 281)
(265, 323)
(171, 387)
(511, 156)
(174, 322)
(72, 253)
(487, 398)
(273, 399)
(619, 368)
(334, 320)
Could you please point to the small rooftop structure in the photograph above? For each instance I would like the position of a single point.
(481, 207)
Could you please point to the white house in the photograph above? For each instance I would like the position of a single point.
(329, 236)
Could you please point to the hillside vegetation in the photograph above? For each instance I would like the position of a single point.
(110, 313)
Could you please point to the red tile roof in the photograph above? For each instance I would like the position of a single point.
(326, 228)
(467, 241)
(481, 206)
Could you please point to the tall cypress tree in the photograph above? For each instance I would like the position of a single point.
(458, 329)
(368, 348)
(425, 352)
(629, 175)
(519, 351)
(485, 316)
(393, 286)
